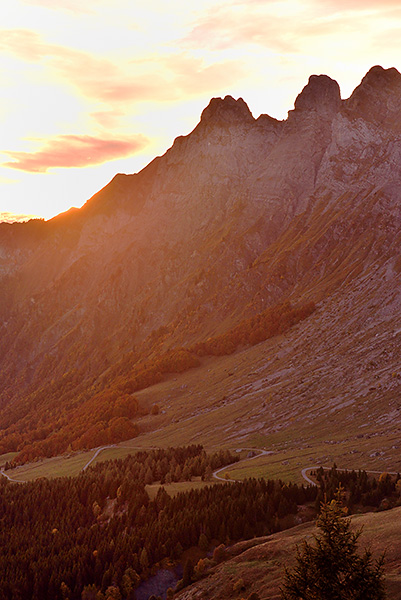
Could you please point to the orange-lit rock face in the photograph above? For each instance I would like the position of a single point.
(239, 215)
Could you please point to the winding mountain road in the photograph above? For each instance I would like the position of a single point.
(97, 452)
(2, 472)
(215, 474)
(304, 475)
(261, 451)
(304, 471)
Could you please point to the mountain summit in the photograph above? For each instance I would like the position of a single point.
(226, 112)
(377, 98)
(321, 94)
(240, 216)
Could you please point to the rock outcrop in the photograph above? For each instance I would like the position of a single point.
(377, 99)
(226, 112)
(322, 94)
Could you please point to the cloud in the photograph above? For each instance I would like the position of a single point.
(108, 119)
(68, 151)
(96, 77)
(225, 28)
(73, 6)
(157, 78)
(190, 75)
(9, 217)
(24, 43)
(287, 26)
(360, 4)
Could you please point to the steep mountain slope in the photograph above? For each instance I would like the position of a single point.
(239, 215)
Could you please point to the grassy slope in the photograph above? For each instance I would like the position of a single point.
(327, 391)
(181, 486)
(262, 566)
(259, 398)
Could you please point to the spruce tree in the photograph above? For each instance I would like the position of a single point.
(332, 569)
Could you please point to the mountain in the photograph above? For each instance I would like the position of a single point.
(240, 216)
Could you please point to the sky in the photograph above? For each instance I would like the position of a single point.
(98, 87)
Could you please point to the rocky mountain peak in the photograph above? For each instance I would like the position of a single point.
(321, 94)
(234, 219)
(379, 77)
(377, 98)
(226, 112)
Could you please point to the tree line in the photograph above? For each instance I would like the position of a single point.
(361, 489)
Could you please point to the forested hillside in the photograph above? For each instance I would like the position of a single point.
(73, 537)
(99, 535)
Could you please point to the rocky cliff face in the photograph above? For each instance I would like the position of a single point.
(238, 215)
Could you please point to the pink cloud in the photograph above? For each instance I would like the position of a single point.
(24, 43)
(107, 118)
(67, 151)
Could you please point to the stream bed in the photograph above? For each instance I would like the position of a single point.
(158, 584)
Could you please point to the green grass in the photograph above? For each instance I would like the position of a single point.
(181, 486)
(52, 467)
(114, 453)
(266, 467)
(7, 457)
(230, 569)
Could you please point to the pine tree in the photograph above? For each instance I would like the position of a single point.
(144, 559)
(332, 569)
(188, 573)
(203, 542)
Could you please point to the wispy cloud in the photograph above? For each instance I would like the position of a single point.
(285, 27)
(74, 6)
(24, 43)
(108, 119)
(192, 76)
(360, 4)
(9, 217)
(156, 78)
(225, 28)
(95, 76)
(68, 151)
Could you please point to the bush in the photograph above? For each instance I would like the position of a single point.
(238, 585)
(219, 552)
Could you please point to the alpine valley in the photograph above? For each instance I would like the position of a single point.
(231, 310)
(241, 291)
